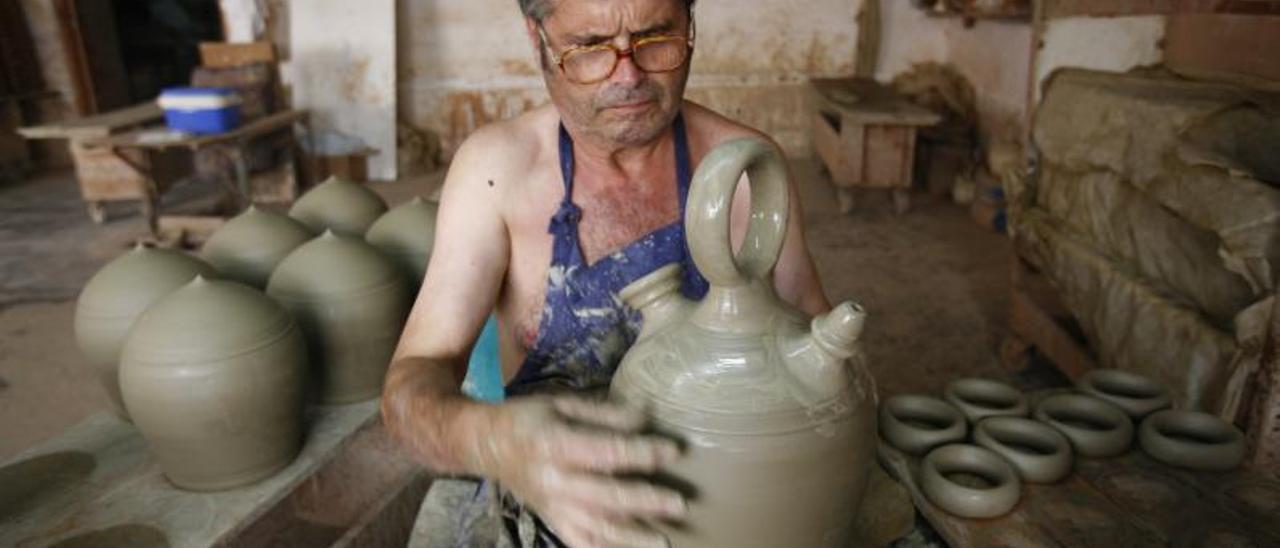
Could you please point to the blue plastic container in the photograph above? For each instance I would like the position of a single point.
(201, 110)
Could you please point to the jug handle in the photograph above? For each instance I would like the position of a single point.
(710, 201)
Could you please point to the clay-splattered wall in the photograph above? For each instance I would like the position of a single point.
(995, 56)
(464, 64)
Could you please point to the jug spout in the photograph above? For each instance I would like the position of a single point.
(819, 360)
(657, 297)
(838, 331)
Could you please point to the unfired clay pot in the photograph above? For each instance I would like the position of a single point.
(937, 480)
(776, 409)
(406, 234)
(248, 248)
(1096, 428)
(915, 424)
(1036, 450)
(351, 302)
(1192, 440)
(213, 376)
(1132, 393)
(339, 205)
(978, 399)
(117, 295)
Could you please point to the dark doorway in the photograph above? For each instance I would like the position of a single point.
(159, 41)
(123, 52)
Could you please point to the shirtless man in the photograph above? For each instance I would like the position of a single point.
(544, 218)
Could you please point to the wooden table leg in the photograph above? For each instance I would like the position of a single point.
(844, 198)
(901, 200)
(150, 205)
(97, 211)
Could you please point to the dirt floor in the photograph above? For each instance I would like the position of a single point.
(934, 283)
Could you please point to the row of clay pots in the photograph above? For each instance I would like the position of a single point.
(250, 246)
(213, 372)
(1011, 448)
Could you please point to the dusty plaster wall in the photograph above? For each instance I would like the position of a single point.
(464, 64)
(995, 56)
(1114, 44)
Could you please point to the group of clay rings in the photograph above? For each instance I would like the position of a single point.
(1009, 448)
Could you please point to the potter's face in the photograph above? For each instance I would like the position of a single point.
(630, 106)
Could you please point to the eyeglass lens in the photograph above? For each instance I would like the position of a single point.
(659, 55)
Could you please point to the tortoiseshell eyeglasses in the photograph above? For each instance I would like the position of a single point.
(594, 63)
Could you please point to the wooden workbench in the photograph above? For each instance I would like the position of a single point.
(119, 157)
(865, 135)
(98, 482)
(1130, 501)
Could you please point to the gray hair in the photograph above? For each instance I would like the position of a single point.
(538, 10)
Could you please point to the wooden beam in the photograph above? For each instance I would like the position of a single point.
(1218, 45)
(1053, 9)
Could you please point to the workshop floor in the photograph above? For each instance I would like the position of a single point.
(934, 283)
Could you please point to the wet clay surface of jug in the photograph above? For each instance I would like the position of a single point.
(117, 295)
(248, 248)
(213, 376)
(351, 303)
(776, 409)
(339, 205)
(407, 234)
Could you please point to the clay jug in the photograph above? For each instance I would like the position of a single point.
(406, 234)
(351, 302)
(248, 248)
(213, 376)
(117, 295)
(339, 205)
(776, 410)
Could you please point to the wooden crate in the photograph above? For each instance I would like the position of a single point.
(865, 135)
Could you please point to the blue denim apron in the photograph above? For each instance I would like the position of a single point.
(585, 328)
(584, 331)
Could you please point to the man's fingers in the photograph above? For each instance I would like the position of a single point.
(600, 452)
(595, 529)
(626, 499)
(599, 413)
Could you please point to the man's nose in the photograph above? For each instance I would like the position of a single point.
(626, 72)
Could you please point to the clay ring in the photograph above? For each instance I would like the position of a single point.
(964, 501)
(982, 398)
(915, 424)
(1132, 393)
(1191, 439)
(1039, 453)
(1095, 427)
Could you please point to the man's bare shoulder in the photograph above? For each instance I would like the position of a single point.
(708, 128)
(510, 146)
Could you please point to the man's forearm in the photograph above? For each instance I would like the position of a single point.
(423, 407)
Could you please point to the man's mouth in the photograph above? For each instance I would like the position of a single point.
(636, 105)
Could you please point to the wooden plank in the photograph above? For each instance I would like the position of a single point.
(1029, 321)
(867, 102)
(1236, 508)
(1130, 500)
(1068, 514)
(225, 55)
(887, 160)
(99, 475)
(1053, 9)
(261, 126)
(1224, 45)
(98, 126)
